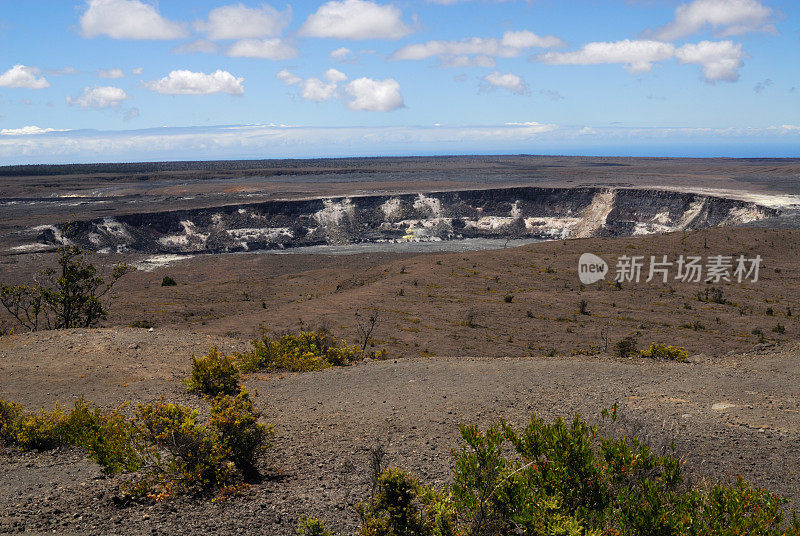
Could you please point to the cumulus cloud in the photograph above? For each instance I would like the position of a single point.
(355, 19)
(477, 51)
(314, 89)
(719, 60)
(240, 22)
(184, 82)
(137, 71)
(342, 54)
(127, 19)
(269, 49)
(99, 97)
(726, 17)
(374, 95)
(24, 77)
(509, 81)
(637, 56)
(110, 73)
(28, 131)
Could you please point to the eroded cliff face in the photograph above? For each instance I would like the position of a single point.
(543, 213)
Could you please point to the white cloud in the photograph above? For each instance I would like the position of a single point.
(355, 19)
(477, 51)
(270, 49)
(131, 113)
(526, 39)
(288, 78)
(198, 45)
(272, 141)
(183, 82)
(28, 131)
(637, 56)
(314, 89)
(335, 76)
(99, 97)
(720, 60)
(509, 81)
(23, 76)
(137, 71)
(110, 73)
(727, 17)
(240, 22)
(127, 19)
(374, 95)
(342, 54)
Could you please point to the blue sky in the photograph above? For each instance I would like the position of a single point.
(126, 80)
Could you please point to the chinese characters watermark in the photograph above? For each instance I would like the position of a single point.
(662, 268)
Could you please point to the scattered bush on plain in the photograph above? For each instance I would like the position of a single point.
(300, 351)
(214, 374)
(663, 351)
(563, 478)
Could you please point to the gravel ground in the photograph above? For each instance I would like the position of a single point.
(730, 415)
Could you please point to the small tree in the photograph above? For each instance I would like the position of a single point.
(63, 297)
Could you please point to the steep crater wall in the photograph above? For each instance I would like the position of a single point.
(543, 213)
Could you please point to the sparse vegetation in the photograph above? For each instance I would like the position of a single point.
(712, 295)
(663, 351)
(300, 351)
(779, 329)
(583, 307)
(108, 437)
(564, 478)
(214, 374)
(168, 282)
(145, 324)
(626, 347)
(67, 297)
(508, 298)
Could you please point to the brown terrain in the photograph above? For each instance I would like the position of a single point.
(458, 351)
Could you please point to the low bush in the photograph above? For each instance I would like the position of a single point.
(187, 456)
(168, 282)
(108, 437)
(301, 351)
(214, 374)
(312, 526)
(564, 478)
(663, 351)
(626, 347)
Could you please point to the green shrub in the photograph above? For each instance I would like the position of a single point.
(301, 351)
(10, 415)
(311, 526)
(145, 324)
(626, 347)
(241, 437)
(109, 438)
(508, 298)
(214, 374)
(779, 328)
(402, 506)
(564, 478)
(663, 351)
(189, 456)
(168, 282)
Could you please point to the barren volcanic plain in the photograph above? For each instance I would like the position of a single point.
(472, 336)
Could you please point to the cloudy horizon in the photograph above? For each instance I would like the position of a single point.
(132, 80)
